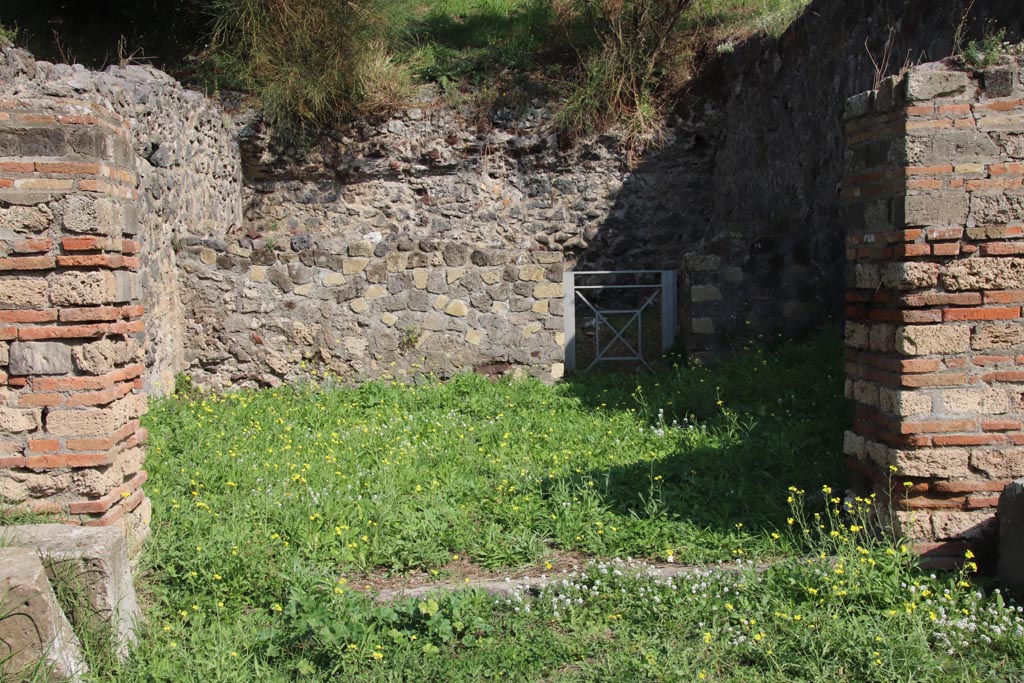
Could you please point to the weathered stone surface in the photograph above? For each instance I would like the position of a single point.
(926, 340)
(83, 288)
(102, 356)
(983, 273)
(930, 83)
(945, 463)
(987, 401)
(17, 420)
(95, 215)
(904, 403)
(997, 336)
(911, 275)
(33, 628)
(83, 422)
(96, 560)
(1004, 463)
(936, 209)
(24, 292)
(1011, 535)
(39, 358)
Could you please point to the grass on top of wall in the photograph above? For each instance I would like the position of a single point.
(278, 513)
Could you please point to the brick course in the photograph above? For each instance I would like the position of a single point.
(69, 298)
(934, 285)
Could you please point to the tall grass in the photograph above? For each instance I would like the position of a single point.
(310, 61)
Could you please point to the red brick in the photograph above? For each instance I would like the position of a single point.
(1000, 169)
(77, 119)
(128, 372)
(17, 166)
(134, 311)
(938, 426)
(109, 518)
(68, 332)
(8, 333)
(1001, 425)
(90, 314)
(127, 327)
(970, 439)
(1000, 105)
(1007, 296)
(43, 445)
(943, 234)
(130, 247)
(115, 495)
(913, 365)
(33, 245)
(921, 110)
(94, 186)
(981, 502)
(94, 444)
(1017, 439)
(924, 184)
(920, 317)
(46, 462)
(28, 263)
(925, 503)
(946, 249)
(134, 500)
(6, 182)
(912, 250)
(17, 381)
(981, 313)
(132, 262)
(92, 261)
(35, 118)
(953, 109)
(968, 486)
(87, 244)
(993, 184)
(11, 461)
(984, 361)
(98, 398)
(959, 299)
(73, 383)
(1002, 248)
(40, 400)
(44, 316)
(946, 379)
(1003, 376)
(955, 362)
(67, 167)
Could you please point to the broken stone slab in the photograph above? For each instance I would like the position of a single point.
(33, 630)
(96, 558)
(1011, 535)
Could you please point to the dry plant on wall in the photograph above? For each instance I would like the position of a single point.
(619, 72)
(883, 63)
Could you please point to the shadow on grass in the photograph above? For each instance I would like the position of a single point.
(749, 428)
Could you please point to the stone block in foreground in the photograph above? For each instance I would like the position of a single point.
(33, 629)
(96, 560)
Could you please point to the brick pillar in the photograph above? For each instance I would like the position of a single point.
(934, 206)
(71, 357)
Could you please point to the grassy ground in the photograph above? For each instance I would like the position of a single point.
(274, 510)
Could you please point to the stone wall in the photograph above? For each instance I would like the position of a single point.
(72, 328)
(769, 259)
(187, 160)
(275, 309)
(935, 283)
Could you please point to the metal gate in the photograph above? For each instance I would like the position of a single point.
(614, 304)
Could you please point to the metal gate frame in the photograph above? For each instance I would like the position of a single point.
(666, 289)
